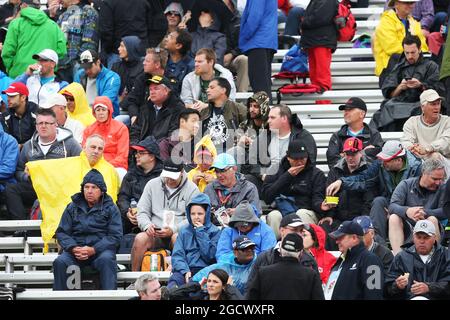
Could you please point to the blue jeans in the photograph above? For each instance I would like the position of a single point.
(294, 21)
(439, 20)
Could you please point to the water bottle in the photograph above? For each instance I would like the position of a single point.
(154, 262)
(133, 206)
(37, 71)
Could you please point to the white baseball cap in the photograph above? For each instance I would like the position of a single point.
(47, 54)
(55, 99)
(425, 226)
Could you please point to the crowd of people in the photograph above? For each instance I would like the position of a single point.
(136, 102)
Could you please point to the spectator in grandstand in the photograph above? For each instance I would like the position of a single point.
(118, 18)
(295, 16)
(130, 65)
(395, 164)
(174, 15)
(286, 279)
(20, 118)
(298, 186)
(222, 116)
(40, 77)
(234, 58)
(357, 274)
(379, 250)
(429, 132)
(422, 269)
(148, 166)
(28, 34)
(77, 105)
(444, 75)
(154, 64)
(314, 237)
(79, 23)
(113, 132)
(97, 80)
(195, 247)
(168, 194)
(180, 63)
(148, 287)
(230, 188)
(259, 41)
(355, 110)
(244, 221)
(159, 116)
(9, 155)
(195, 84)
(219, 287)
(407, 76)
(48, 142)
(395, 24)
(319, 38)
(237, 264)
(290, 223)
(351, 203)
(89, 233)
(417, 199)
(180, 144)
(204, 155)
(58, 103)
(423, 11)
(53, 9)
(8, 11)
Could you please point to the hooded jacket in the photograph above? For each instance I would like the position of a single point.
(107, 82)
(325, 260)
(435, 273)
(209, 37)
(239, 272)
(261, 234)
(377, 176)
(21, 129)
(99, 227)
(205, 143)
(64, 146)
(318, 26)
(9, 155)
(351, 203)
(307, 187)
(156, 199)
(115, 134)
(368, 136)
(132, 186)
(195, 247)
(129, 69)
(29, 34)
(82, 112)
(388, 38)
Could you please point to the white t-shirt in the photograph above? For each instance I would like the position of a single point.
(91, 90)
(45, 146)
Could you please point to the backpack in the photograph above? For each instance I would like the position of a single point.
(345, 22)
(295, 60)
(161, 264)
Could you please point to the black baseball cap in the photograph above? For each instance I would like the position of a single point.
(171, 170)
(291, 220)
(292, 242)
(87, 58)
(148, 144)
(169, 83)
(243, 242)
(353, 103)
(297, 149)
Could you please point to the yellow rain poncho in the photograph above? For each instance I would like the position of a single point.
(82, 112)
(205, 143)
(56, 180)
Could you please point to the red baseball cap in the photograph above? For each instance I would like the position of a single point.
(16, 88)
(352, 145)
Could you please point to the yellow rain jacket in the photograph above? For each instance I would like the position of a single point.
(82, 112)
(207, 143)
(56, 180)
(388, 38)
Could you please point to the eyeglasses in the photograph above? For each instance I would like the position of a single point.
(173, 13)
(69, 98)
(142, 153)
(46, 124)
(222, 170)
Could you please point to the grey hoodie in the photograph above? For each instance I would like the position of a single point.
(243, 213)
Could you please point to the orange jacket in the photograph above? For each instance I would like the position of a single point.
(115, 134)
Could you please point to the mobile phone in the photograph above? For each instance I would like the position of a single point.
(157, 228)
(408, 78)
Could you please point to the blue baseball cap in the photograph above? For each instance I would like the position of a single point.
(365, 222)
(347, 227)
(223, 161)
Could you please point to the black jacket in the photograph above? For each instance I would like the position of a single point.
(21, 129)
(136, 96)
(285, 280)
(132, 187)
(157, 23)
(118, 18)
(307, 187)
(351, 203)
(369, 136)
(318, 26)
(384, 254)
(159, 126)
(436, 273)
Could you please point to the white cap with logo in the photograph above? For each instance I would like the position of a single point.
(425, 226)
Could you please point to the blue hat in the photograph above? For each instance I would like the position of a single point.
(242, 242)
(365, 222)
(95, 177)
(347, 227)
(223, 161)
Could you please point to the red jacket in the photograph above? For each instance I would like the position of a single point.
(285, 6)
(325, 260)
(115, 134)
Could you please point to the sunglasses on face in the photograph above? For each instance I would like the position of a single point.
(222, 170)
